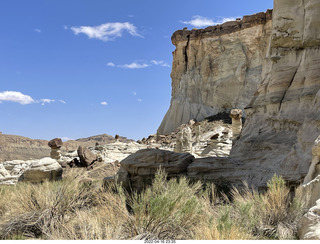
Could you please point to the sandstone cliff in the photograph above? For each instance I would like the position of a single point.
(217, 68)
(283, 118)
(277, 74)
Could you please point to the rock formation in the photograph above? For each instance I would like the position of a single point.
(41, 170)
(309, 226)
(14, 147)
(187, 139)
(217, 68)
(22, 148)
(86, 156)
(314, 168)
(55, 145)
(283, 118)
(236, 116)
(138, 169)
(268, 65)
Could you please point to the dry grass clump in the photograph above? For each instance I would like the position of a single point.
(61, 210)
(75, 209)
(272, 215)
(167, 210)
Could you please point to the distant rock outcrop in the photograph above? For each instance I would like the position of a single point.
(22, 148)
(14, 147)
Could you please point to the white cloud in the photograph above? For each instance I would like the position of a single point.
(139, 100)
(37, 30)
(134, 65)
(140, 64)
(65, 27)
(17, 97)
(65, 138)
(200, 21)
(161, 62)
(104, 103)
(107, 31)
(134, 93)
(46, 100)
(111, 64)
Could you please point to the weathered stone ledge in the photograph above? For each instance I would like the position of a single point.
(225, 28)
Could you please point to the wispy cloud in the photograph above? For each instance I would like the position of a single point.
(140, 65)
(134, 65)
(111, 64)
(200, 21)
(107, 31)
(65, 27)
(62, 101)
(139, 100)
(17, 97)
(37, 30)
(46, 100)
(134, 93)
(160, 62)
(104, 103)
(65, 138)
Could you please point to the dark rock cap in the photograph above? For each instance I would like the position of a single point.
(225, 28)
(55, 143)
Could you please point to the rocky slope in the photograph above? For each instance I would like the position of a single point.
(14, 147)
(217, 68)
(18, 147)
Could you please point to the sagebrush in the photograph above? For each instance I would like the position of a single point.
(73, 209)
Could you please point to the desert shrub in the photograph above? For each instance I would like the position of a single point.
(167, 210)
(40, 210)
(272, 215)
(75, 209)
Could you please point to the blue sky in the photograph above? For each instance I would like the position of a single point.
(78, 68)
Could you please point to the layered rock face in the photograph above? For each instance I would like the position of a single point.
(274, 68)
(283, 119)
(17, 147)
(217, 68)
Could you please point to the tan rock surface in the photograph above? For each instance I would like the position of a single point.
(18, 147)
(309, 226)
(283, 119)
(140, 167)
(271, 66)
(216, 69)
(41, 170)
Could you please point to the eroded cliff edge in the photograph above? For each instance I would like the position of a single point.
(217, 68)
(278, 87)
